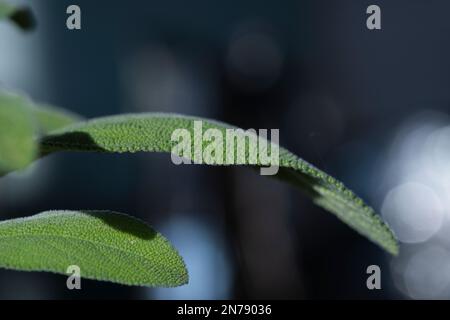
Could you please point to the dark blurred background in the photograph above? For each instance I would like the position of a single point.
(369, 107)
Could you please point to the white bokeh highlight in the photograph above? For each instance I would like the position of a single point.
(414, 211)
(427, 274)
(416, 175)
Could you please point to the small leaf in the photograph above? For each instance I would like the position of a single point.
(105, 245)
(152, 132)
(21, 16)
(21, 122)
(17, 127)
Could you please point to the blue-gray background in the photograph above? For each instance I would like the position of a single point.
(362, 105)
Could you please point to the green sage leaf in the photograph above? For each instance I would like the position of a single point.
(105, 246)
(153, 132)
(21, 123)
(17, 128)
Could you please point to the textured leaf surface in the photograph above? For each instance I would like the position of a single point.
(152, 132)
(21, 16)
(105, 245)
